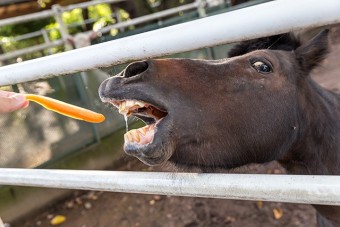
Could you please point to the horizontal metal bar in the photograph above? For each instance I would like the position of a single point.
(27, 35)
(87, 21)
(30, 35)
(278, 188)
(150, 17)
(27, 18)
(266, 19)
(7, 2)
(50, 13)
(32, 49)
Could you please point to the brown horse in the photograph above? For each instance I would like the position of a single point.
(258, 105)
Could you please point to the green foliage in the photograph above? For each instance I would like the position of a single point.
(43, 3)
(20, 29)
(154, 3)
(73, 17)
(124, 15)
(101, 10)
(53, 31)
(101, 15)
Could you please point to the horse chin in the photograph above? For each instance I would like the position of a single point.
(156, 152)
(151, 155)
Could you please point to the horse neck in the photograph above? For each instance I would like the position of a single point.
(317, 147)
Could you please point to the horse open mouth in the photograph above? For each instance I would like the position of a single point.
(148, 113)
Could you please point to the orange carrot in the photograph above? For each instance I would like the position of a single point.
(66, 109)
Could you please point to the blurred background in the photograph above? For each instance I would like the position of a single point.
(38, 138)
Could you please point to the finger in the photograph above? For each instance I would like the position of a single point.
(12, 103)
(6, 94)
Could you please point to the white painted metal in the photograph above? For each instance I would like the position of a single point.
(28, 35)
(279, 188)
(57, 9)
(26, 18)
(46, 39)
(32, 49)
(257, 21)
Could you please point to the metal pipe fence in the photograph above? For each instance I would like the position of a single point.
(266, 19)
(261, 187)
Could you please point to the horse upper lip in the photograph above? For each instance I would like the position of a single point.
(114, 90)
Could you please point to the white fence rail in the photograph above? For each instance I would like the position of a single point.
(32, 49)
(279, 188)
(248, 23)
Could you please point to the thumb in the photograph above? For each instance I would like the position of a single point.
(12, 103)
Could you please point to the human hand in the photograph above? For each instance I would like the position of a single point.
(10, 101)
(1, 223)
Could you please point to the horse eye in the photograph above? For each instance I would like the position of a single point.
(262, 67)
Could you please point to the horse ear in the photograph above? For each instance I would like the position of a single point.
(311, 54)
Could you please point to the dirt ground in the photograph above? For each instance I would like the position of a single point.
(97, 209)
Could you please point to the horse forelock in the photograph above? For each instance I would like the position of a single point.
(287, 42)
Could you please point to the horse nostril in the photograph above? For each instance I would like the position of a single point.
(135, 69)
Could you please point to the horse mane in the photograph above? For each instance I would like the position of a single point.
(286, 41)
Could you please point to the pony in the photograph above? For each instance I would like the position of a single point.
(258, 105)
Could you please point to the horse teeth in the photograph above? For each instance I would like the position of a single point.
(140, 104)
(129, 103)
(137, 138)
(142, 131)
(128, 136)
(135, 135)
(128, 106)
(122, 108)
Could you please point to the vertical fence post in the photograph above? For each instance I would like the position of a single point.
(119, 19)
(201, 8)
(46, 39)
(58, 11)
